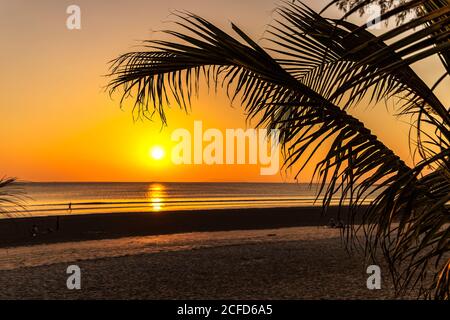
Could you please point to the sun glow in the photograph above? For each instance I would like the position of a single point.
(157, 153)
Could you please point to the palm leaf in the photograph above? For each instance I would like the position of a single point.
(302, 93)
(270, 94)
(11, 196)
(343, 58)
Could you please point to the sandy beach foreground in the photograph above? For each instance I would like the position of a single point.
(289, 263)
(276, 253)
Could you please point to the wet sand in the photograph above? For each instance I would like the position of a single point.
(53, 229)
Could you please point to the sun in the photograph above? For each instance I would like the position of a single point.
(157, 153)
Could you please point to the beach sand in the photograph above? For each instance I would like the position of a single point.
(54, 229)
(289, 263)
(278, 253)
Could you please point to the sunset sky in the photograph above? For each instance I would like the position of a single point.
(58, 123)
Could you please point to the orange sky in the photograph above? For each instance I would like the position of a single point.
(57, 123)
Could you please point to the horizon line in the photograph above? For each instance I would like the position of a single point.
(243, 182)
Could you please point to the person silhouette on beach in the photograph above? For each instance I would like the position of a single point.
(70, 207)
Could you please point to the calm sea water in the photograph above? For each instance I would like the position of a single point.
(54, 198)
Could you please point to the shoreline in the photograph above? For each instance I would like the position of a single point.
(18, 231)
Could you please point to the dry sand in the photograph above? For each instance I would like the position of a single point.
(289, 263)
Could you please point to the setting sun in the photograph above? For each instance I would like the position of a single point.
(157, 153)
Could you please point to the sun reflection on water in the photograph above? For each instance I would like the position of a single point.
(156, 195)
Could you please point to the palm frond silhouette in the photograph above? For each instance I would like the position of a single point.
(10, 196)
(304, 84)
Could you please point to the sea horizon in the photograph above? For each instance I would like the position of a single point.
(68, 198)
(18, 182)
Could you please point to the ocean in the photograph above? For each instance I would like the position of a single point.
(43, 199)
